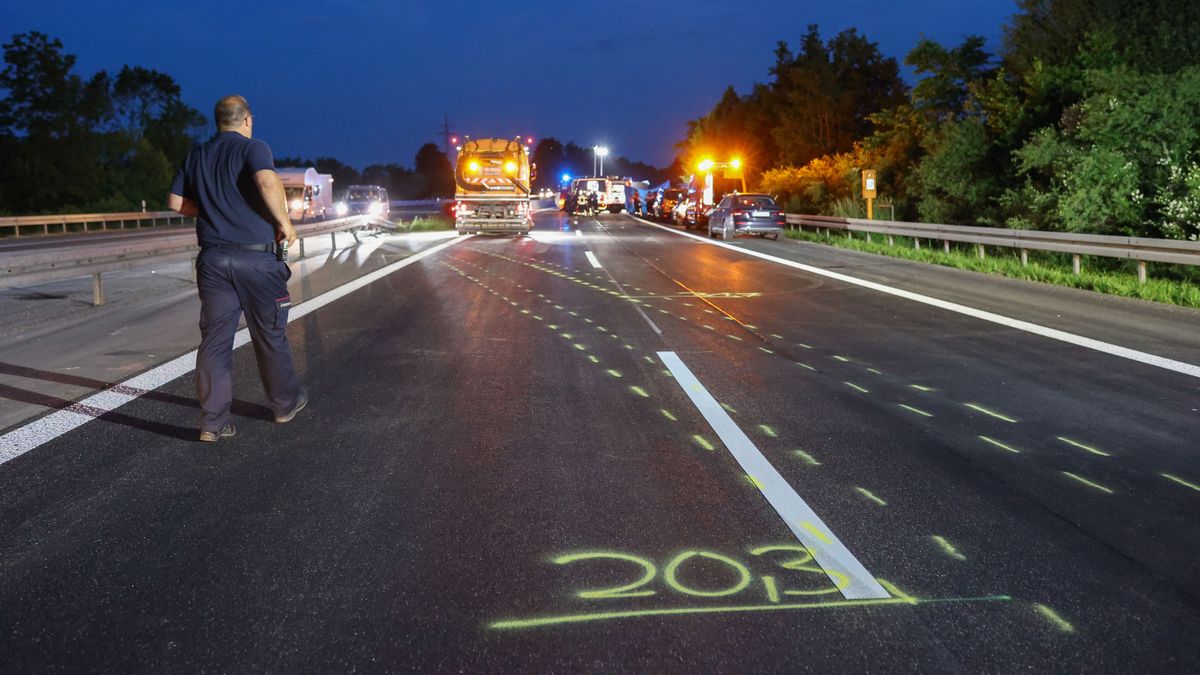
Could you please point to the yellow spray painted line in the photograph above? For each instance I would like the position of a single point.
(990, 413)
(808, 459)
(1181, 481)
(1062, 624)
(855, 386)
(1081, 446)
(870, 495)
(539, 622)
(1087, 482)
(947, 547)
(916, 410)
(1000, 445)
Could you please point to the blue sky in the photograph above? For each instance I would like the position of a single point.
(368, 81)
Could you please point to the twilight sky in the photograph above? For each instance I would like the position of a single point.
(367, 81)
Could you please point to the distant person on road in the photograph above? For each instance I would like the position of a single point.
(229, 185)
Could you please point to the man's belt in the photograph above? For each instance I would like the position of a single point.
(265, 248)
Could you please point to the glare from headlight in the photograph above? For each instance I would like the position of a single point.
(341, 208)
(375, 208)
(296, 203)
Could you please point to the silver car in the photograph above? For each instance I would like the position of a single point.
(746, 214)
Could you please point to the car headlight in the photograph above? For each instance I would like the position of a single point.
(296, 204)
(375, 208)
(341, 209)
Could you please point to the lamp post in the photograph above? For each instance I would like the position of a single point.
(598, 152)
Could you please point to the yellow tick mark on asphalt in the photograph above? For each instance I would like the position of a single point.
(580, 347)
(805, 365)
(667, 373)
(552, 326)
(702, 442)
(841, 358)
(855, 386)
(614, 373)
(916, 410)
(1000, 445)
(1061, 623)
(728, 408)
(524, 311)
(947, 547)
(734, 337)
(649, 359)
(537, 317)
(1087, 482)
(806, 458)
(639, 391)
(754, 481)
(667, 414)
(768, 431)
(876, 372)
(1181, 481)
(990, 413)
(566, 336)
(593, 359)
(1081, 446)
(764, 349)
(777, 336)
(869, 495)
(804, 345)
(923, 388)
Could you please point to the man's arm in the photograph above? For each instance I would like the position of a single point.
(276, 200)
(182, 205)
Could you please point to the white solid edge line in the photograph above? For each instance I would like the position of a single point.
(821, 542)
(44, 429)
(1163, 362)
(592, 258)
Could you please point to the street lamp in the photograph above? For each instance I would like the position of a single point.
(598, 151)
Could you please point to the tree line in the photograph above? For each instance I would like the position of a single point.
(108, 143)
(1087, 120)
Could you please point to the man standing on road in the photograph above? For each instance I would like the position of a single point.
(230, 186)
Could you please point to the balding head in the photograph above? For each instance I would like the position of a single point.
(231, 112)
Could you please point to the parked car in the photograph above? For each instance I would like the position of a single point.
(370, 200)
(748, 213)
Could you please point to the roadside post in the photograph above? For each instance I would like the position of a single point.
(868, 189)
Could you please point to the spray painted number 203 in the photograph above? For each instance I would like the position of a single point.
(796, 560)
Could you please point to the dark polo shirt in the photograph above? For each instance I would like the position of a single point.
(218, 176)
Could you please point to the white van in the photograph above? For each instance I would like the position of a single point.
(309, 194)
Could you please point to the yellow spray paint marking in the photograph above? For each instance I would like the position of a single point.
(754, 481)
(777, 336)
(682, 317)
(728, 408)
(537, 317)
(1181, 481)
(558, 307)
(614, 373)
(876, 372)
(688, 304)
(734, 337)
(602, 329)
(870, 495)
(572, 313)
(710, 328)
(667, 414)
(580, 347)
(768, 431)
(593, 359)
(816, 532)
(639, 391)
(1000, 445)
(702, 442)
(990, 413)
(1088, 483)
(947, 547)
(552, 326)
(588, 321)
(1062, 624)
(805, 365)
(808, 459)
(764, 349)
(916, 410)
(919, 387)
(566, 336)
(524, 311)
(668, 373)
(896, 592)
(841, 358)
(855, 386)
(1081, 446)
(649, 359)
(629, 347)
(663, 311)
(804, 345)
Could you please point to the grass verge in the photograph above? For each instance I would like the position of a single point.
(1166, 284)
(427, 224)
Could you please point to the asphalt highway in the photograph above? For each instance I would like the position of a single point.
(612, 447)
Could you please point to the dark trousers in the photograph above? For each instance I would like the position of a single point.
(231, 282)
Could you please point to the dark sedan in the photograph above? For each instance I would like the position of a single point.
(746, 214)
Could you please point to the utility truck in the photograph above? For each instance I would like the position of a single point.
(492, 191)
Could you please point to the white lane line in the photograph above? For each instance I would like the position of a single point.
(821, 542)
(45, 429)
(1163, 362)
(592, 258)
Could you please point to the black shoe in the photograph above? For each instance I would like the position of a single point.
(284, 419)
(227, 431)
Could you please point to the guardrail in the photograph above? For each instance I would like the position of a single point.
(1141, 249)
(60, 260)
(77, 223)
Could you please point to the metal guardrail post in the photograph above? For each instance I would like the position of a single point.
(332, 241)
(1141, 271)
(916, 243)
(980, 252)
(946, 245)
(1024, 257)
(301, 247)
(1076, 264)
